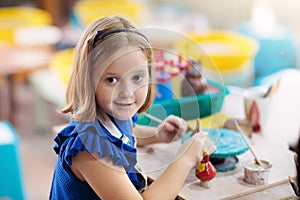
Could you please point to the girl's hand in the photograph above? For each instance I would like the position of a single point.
(171, 129)
(191, 151)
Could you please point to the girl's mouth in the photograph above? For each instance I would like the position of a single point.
(123, 104)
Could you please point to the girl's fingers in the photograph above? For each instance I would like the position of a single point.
(177, 122)
(175, 126)
(201, 135)
(182, 128)
(209, 146)
(211, 149)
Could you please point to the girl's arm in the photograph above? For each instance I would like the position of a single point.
(169, 184)
(112, 182)
(145, 135)
(107, 180)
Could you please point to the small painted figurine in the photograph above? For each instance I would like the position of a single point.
(205, 171)
(194, 83)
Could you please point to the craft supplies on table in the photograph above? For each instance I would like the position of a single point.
(271, 145)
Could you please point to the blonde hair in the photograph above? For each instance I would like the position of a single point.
(80, 96)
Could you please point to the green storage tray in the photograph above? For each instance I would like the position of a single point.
(188, 108)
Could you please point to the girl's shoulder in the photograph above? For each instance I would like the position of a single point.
(93, 138)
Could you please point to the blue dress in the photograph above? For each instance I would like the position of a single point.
(93, 138)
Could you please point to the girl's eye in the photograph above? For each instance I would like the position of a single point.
(138, 78)
(111, 80)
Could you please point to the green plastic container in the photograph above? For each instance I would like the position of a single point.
(188, 108)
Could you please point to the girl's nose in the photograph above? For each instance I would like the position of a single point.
(126, 90)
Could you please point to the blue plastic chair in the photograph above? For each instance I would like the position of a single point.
(11, 176)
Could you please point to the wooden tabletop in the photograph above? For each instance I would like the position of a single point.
(16, 62)
(19, 60)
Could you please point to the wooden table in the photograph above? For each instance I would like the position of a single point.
(272, 144)
(16, 62)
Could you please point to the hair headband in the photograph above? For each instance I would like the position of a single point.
(101, 34)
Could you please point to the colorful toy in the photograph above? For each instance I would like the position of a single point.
(205, 171)
(194, 82)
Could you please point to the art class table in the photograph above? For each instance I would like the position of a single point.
(19, 62)
(272, 144)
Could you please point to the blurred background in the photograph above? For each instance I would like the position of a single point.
(37, 38)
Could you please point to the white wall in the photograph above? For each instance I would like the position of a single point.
(230, 13)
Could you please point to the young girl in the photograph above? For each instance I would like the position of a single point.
(111, 82)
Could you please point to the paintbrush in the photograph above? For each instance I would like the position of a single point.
(157, 119)
(242, 134)
(272, 89)
(153, 118)
(197, 129)
(294, 186)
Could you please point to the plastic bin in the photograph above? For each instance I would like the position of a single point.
(277, 50)
(12, 18)
(188, 108)
(227, 57)
(90, 10)
(61, 64)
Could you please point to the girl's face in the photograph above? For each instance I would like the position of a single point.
(123, 85)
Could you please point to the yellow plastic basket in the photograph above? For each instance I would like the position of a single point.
(90, 10)
(12, 18)
(221, 50)
(61, 63)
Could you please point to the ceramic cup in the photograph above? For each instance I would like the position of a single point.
(255, 174)
(257, 107)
